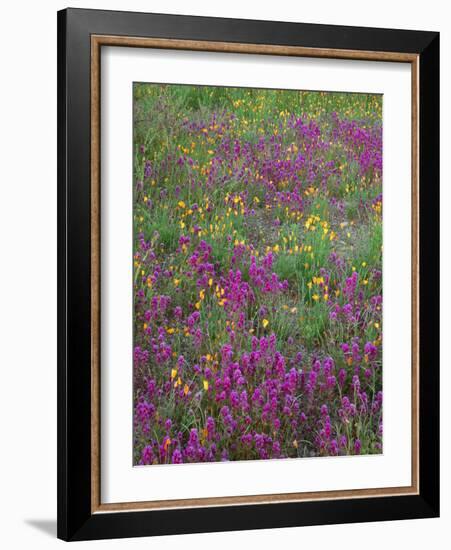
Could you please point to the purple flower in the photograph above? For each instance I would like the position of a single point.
(177, 457)
(147, 455)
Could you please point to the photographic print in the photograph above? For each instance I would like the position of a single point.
(257, 274)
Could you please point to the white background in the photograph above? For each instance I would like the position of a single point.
(119, 481)
(28, 274)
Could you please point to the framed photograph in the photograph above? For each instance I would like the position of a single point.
(248, 274)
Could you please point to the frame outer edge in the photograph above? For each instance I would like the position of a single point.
(62, 496)
(429, 177)
(74, 520)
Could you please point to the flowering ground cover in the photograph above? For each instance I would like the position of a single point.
(257, 274)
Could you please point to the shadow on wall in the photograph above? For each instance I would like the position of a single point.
(46, 526)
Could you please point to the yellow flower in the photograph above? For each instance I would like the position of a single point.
(206, 385)
(376, 325)
(173, 373)
(315, 297)
(265, 323)
(170, 330)
(210, 281)
(186, 389)
(182, 204)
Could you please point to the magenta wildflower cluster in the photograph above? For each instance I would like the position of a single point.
(257, 274)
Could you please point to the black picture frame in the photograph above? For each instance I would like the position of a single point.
(75, 518)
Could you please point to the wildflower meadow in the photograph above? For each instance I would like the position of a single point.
(257, 274)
